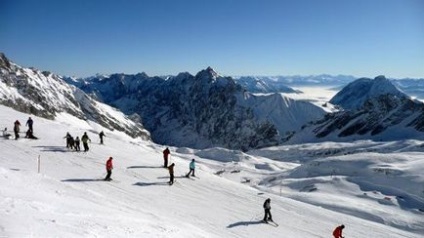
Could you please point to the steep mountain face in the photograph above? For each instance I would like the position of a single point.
(373, 109)
(204, 110)
(45, 94)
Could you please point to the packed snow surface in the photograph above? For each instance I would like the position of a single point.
(374, 189)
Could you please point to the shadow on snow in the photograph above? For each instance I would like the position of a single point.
(144, 167)
(82, 180)
(53, 148)
(245, 223)
(150, 184)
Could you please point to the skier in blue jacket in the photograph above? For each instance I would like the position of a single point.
(192, 166)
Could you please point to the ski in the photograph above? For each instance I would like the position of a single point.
(272, 223)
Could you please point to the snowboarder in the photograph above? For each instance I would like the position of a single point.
(85, 140)
(337, 233)
(16, 129)
(171, 174)
(166, 152)
(192, 166)
(109, 167)
(77, 144)
(101, 135)
(267, 208)
(29, 123)
(6, 135)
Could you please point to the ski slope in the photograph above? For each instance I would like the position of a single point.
(66, 199)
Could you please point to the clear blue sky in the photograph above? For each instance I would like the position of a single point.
(235, 37)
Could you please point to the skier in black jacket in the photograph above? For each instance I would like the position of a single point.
(267, 207)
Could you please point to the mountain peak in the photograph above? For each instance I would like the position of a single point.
(380, 78)
(355, 94)
(208, 73)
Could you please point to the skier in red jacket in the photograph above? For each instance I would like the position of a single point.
(337, 233)
(109, 167)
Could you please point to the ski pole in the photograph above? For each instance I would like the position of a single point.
(39, 164)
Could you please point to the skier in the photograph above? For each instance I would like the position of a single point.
(166, 152)
(16, 129)
(29, 123)
(77, 144)
(267, 207)
(101, 134)
(192, 166)
(171, 174)
(69, 140)
(85, 140)
(109, 167)
(337, 233)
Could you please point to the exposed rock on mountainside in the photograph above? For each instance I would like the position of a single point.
(202, 111)
(45, 94)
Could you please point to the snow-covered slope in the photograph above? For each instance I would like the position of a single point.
(313, 188)
(46, 94)
(204, 110)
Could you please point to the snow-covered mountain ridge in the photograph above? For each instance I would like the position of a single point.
(45, 94)
(203, 110)
(372, 109)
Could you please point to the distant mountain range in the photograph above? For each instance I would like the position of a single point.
(208, 110)
(284, 84)
(202, 110)
(369, 109)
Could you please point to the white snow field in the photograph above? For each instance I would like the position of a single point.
(375, 189)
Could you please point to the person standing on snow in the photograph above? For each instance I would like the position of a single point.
(85, 140)
(68, 139)
(77, 144)
(171, 174)
(109, 167)
(166, 152)
(267, 208)
(29, 123)
(101, 135)
(16, 129)
(192, 166)
(337, 233)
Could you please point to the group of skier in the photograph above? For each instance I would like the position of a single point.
(75, 144)
(17, 128)
(72, 143)
(192, 166)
